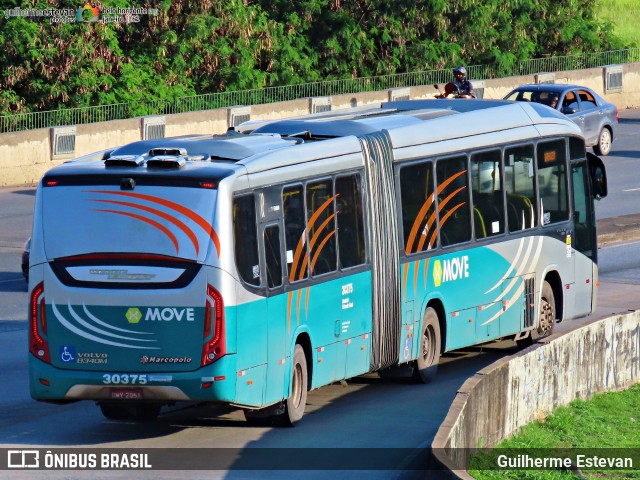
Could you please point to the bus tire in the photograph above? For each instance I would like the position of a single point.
(295, 404)
(426, 366)
(547, 317)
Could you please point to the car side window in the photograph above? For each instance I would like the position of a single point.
(524, 96)
(587, 100)
(570, 101)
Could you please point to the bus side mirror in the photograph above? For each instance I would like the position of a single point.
(598, 176)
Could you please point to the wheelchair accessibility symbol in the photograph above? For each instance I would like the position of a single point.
(68, 354)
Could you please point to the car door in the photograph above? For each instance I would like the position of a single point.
(593, 116)
(571, 108)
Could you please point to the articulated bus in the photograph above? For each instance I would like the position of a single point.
(251, 267)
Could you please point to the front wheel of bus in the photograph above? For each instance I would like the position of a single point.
(547, 320)
(426, 365)
(547, 313)
(294, 405)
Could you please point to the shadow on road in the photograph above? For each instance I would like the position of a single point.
(12, 282)
(30, 192)
(384, 427)
(626, 153)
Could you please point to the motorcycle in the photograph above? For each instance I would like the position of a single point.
(451, 88)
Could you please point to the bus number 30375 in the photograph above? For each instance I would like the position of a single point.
(124, 379)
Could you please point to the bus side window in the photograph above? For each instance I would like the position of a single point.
(552, 181)
(520, 188)
(294, 228)
(486, 184)
(351, 243)
(273, 256)
(577, 148)
(245, 239)
(418, 207)
(453, 200)
(321, 227)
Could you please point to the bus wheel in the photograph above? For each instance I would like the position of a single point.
(294, 405)
(426, 365)
(547, 318)
(547, 313)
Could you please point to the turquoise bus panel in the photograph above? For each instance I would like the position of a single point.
(85, 384)
(125, 338)
(483, 284)
(407, 343)
(332, 312)
(358, 353)
(462, 328)
(278, 349)
(511, 319)
(330, 364)
(250, 386)
(252, 330)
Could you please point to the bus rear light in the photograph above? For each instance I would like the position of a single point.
(216, 347)
(38, 346)
(44, 382)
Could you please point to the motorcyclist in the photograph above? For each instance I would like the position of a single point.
(464, 86)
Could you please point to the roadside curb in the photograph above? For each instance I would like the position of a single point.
(529, 385)
(622, 229)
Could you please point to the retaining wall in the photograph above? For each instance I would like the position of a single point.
(493, 404)
(26, 156)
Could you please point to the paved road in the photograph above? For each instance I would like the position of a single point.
(622, 169)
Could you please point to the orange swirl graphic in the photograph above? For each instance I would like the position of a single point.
(201, 222)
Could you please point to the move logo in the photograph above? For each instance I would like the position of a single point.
(450, 269)
(156, 314)
(133, 315)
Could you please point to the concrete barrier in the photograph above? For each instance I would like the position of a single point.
(25, 156)
(517, 390)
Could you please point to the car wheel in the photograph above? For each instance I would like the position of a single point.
(603, 147)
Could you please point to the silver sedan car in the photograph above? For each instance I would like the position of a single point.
(597, 118)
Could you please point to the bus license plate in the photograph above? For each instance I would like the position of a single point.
(126, 393)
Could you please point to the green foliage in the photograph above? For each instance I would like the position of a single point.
(607, 421)
(203, 47)
(622, 16)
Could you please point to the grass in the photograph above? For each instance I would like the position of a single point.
(624, 14)
(596, 427)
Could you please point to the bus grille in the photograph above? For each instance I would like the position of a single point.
(529, 291)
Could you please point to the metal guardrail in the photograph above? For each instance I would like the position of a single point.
(119, 111)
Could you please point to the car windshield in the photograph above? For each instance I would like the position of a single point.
(538, 96)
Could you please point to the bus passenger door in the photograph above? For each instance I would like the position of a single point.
(517, 304)
(584, 240)
(276, 314)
